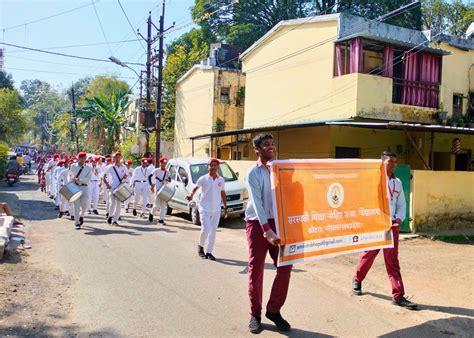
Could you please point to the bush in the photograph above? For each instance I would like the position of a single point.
(3, 158)
(126, 150)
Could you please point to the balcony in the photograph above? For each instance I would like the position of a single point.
(415, 93)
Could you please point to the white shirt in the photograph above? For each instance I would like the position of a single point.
(113, 178)
(260, 205)
(396, 196)
(63, 177)
(95, 173)
(211, 189)
(130, 174)
(161, 177)
(85, 174)
(141, 174)
(57, 172)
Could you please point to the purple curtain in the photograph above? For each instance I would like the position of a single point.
(356, 63)
(340, 58)
(430, 69)
(388, 61)
(411, 95)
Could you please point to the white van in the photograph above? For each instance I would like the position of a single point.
(184, 175)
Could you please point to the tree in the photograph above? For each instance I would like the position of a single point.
(183, 53)
(14, 123)
(6, 80)
(451, 18)
(110, 114)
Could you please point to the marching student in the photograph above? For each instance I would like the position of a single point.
(261, 238)
(113, 177)
(397, 206)
(80, 174)
(50, 177)
(62, 181)
(212, 196)
(105, 191)
(161, 177)
(128, 163)
(93, 200)
(151, 167)
(70, 209)
(57, 172)
(141, 186)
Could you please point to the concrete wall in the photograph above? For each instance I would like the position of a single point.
(241, 167)
(455, 77)
(442, 200)
(194, 109)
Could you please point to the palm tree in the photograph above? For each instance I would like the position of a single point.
(110, 115)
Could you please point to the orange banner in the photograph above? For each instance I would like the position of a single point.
(326, 208)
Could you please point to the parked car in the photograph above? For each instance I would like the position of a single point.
(184, 174)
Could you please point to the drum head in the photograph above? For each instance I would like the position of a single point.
(76, 196)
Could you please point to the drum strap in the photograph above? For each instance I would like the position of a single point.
(80, 170)
(164, 175)
(120, 180)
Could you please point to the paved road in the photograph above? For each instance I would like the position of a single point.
(147, 280)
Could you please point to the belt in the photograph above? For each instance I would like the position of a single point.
(82, 185)
(94, 180)
(141, 181)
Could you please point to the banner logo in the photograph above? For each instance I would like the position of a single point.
(335, 195)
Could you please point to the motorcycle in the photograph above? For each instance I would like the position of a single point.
(11, 178)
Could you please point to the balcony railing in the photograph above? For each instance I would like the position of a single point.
(415, 93)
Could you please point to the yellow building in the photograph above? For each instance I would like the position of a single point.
(208, 99)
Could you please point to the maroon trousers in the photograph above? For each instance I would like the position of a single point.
(258, 248)
(391, 264)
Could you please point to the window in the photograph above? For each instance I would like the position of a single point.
(198, 170)
(457, 105)
(225, 95)
(172, 170)
(182, 175)
(347, 152)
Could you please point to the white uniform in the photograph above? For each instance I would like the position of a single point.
(160, 178)
(210, 208)
(83, 172)
(63, 179)
(50, 166)
(105, 190)
(116, 174)
(141, 186)
(128, 180)
(56, 173)
(150, 167)
(93, 188)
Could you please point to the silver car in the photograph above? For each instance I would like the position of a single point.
(184, 174)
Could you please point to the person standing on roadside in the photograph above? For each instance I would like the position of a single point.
(117, 173)
(397, 204)
(212, 196)
(262, 238)
(80, 174)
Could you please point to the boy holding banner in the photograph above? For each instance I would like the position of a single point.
(261, 238)
(397, 205)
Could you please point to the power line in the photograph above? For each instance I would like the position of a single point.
(80, 45)
(101, 27)
(64, 73)
(48, 17)
(130, 24)
(65, 55)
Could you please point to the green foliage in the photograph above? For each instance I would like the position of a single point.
(126, 149)
(3, 158)
(14, 123)
(6, 80)
(447, 17)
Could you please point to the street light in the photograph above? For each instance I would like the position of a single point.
(122, 64)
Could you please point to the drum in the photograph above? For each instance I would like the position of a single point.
(166, 192)
(123, 192)
(71, 191)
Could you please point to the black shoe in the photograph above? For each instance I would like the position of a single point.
(280, 323)
(356, 288)
(78, 227)
(120, 218)
(201, 252)
(72, 218)
(106, 215)
(162, 222)
(89, 212)
(150, 218)
(81, 220)
(115, 223)
(210, 257)
(109, 220)
(60, 214)
(134, 212)
(149, 205)
(66, 213)
(403, 302)
(255, 325)
(95, 212)
(126, 211)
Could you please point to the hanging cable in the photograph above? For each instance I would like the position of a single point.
(130, 24)
(101, 27)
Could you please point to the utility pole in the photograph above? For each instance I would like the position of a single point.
(74, 136)
(159, 95)
(148, 81)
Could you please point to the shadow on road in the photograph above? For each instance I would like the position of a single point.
(41, 329)
(444, 309)
(91, 231)
(149, 228)
(455, 326)
(294, 332)
(234, 262)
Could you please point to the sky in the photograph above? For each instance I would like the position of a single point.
(80, 26)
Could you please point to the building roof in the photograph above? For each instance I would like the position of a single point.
(387, 125)
(204, 67)
(350, 26)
